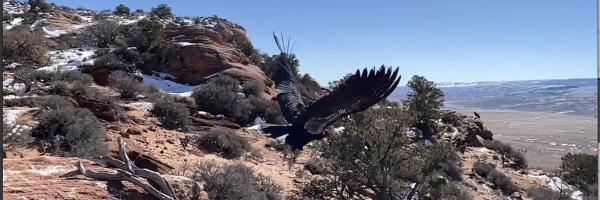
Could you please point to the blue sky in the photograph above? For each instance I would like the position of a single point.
(445, 41)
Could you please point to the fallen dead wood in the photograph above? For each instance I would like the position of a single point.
(127, 171)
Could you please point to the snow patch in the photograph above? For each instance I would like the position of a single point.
(53, 33)
(147, 106)
(70, 59)
(10, 115)
(169, 86)
(556, 184)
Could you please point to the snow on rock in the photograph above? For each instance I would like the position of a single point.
(12, 65)
(10, 115)
(147, 106)
(556, 183)
(14, 7)
(53, 33)
(131, 21)
(18, 97)
(70, 59)
(484, 150)
(169, 86)
(338, 129)
(203, 113)
(14, 22)
(6, 84)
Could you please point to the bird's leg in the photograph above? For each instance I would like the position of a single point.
(290, 162)
(295, 154)
(286, 152)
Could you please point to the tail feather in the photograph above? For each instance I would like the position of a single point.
(279, 132)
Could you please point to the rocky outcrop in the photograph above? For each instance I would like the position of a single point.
(204, 52)
(63, 20)
(104, 110)
(232, 32)
(462, 130)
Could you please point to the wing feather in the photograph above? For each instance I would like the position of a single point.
(289, 99)
(359, 92)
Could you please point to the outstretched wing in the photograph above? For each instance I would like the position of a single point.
(288, 98)
(357, 93)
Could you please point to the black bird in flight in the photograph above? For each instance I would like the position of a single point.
(476, 114)
(357, 93)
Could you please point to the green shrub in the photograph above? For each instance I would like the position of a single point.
(225, 142)
(125, 84)
(502, 182)
(252, 88)
(46, 102)
(147, 36)
(127, 55)
(316, 166)
(483, 168)
(77, 88)
(171, 114)
(152, 90)
(508, 151)
(71, 132)
(21, 45)
(235, 181)
(103, 33)
(69, 41)
(122, 10)
(111, 61)
(247, 49)
(221, 95)
(545, 193)
(162, 11)
(266, 109)
(49, 76)
(217, 99)
(580, 170)
(14, 136)
(39, 5)
(488, 172)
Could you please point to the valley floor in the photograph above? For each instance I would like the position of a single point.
(544, 136)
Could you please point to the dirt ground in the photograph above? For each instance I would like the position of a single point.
(544, 136)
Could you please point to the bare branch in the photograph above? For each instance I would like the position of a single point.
(129, 172)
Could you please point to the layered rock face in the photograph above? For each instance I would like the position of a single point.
(204, 52)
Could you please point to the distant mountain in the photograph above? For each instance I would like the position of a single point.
(574, 96)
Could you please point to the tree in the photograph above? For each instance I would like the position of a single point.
(333, 85)
(24, 46)
(270, 65)
(145, 35)
(37, 6)
(103, 33)
(581, 170)
(122, 10)
(424, 101)
(374, 159)
(162, 11)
